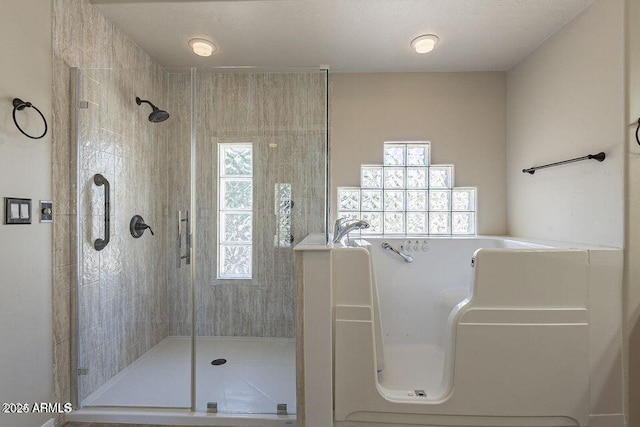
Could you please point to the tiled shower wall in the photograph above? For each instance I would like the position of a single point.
(178, 312)
(282, 109)
(124, 286)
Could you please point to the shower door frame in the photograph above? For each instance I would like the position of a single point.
(77, 104)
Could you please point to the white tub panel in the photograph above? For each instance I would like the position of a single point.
(354, 270)
(531, 278)
(515, 370)
(605, 318)
(548, 316)
(509, 371)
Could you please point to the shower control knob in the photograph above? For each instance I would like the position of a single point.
(137, 227)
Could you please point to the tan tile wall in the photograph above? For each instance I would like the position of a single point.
(283, 108)
(123, 291)
(179, 199)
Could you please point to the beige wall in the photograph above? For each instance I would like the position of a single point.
(462, 114)
(565, 100)
(632, 271)
(25, 171)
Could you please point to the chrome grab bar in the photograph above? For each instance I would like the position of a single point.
(187, 255)
(405, 257)
(99, 180)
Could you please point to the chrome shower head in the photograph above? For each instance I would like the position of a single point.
(157, 115)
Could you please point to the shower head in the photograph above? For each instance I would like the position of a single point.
(157, 115)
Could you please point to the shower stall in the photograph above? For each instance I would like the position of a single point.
(188, 301)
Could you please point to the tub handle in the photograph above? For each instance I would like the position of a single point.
(407, 258)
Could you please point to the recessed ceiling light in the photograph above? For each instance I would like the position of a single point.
(425, 43)
(202, 47)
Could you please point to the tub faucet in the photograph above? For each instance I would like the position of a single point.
(407, 258)
(344, 226)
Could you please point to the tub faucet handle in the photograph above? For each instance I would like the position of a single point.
(407, 258)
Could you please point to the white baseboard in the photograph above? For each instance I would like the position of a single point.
(50, 423)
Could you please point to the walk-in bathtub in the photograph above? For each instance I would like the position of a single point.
(474, 332)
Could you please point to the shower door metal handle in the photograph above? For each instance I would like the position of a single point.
(99, 180)
(187, 255)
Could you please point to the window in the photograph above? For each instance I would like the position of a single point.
(409, 195)
(283, 205)
(235, 210)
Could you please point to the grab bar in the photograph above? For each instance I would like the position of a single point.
(99, 180)
(187, 255)
(407, 258)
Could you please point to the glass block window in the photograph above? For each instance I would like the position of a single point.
(235, 210)
(282, 209)
(408, 195)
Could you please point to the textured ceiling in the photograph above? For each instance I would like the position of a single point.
(347, 35)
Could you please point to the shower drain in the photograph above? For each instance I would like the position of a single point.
(218, 362)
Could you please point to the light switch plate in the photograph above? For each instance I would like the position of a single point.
(46, 211)
(17, 211)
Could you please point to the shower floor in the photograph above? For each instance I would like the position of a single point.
(413, 367)
(259, 374)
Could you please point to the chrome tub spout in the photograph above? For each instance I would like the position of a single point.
(407, 258)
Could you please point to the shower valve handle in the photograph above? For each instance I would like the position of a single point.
(137, 227)
(143, 227)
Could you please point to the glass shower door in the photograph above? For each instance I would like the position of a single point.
(133, 304)
(260, 165)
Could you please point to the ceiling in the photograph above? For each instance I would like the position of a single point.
(347, 35)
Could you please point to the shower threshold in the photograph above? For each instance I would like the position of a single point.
(177, 417)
